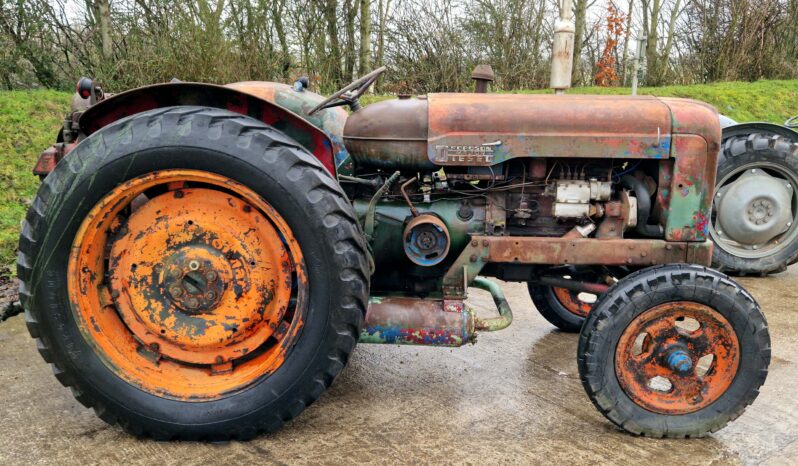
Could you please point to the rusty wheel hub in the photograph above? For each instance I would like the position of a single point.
(574, 301)
(192, 285)
(191, 291)
(677, 358)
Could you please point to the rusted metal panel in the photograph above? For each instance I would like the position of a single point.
(690, 195)
(146, 98)
(584, 251)
(389, 134)
(574, 251)
(480, 129)
(330, 120)
(415, 321)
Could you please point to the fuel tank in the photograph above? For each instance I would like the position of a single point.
(487, 129)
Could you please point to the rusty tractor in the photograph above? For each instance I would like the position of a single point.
(200, 260)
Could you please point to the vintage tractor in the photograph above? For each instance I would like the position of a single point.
(201, 260)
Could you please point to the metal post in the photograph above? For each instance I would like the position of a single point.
(641, 46)
(562, 52)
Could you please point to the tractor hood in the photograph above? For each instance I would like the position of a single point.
(486, 129)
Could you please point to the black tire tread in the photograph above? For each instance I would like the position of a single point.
(756, 145)
(707, 283)
(551, 310)
(341, 227)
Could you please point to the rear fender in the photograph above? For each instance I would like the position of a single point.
(314, 139)
(759, 127)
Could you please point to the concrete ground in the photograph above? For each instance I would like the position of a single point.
(514, 397)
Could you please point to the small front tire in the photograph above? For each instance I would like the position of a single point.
(674, 351)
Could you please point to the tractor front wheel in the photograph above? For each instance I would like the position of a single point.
(192, 273)
(674, 351)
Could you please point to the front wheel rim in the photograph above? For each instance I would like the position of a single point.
(677, 358)
(187, 284)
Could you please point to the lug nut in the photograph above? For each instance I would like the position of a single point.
(211, 275)
(193, 265)
(192, 303)
(210, 295)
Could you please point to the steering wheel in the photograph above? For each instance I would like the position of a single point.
(792, 122)
(351, 93)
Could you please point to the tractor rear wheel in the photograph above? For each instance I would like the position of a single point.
(674, 351)
(191, 273)
(755, 208)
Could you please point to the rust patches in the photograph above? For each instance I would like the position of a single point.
(547, 126)
(245, 286)
(584, 251)
(570, 300)
(669, 343)
(416, 321)
(690, 192)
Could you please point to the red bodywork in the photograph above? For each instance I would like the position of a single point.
(246, 99)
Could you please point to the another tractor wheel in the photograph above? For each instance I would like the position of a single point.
(565, 309)
(193, 273)
(756, 205)
(674, 351)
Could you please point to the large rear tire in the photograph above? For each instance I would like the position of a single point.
(756, 205)
(191, 273)
(674, 351)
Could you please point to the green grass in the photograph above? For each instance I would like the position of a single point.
(30, 121)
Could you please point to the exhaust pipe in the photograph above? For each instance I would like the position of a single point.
(562, 52)
(399, 320)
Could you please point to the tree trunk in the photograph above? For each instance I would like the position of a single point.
(365, 37)
(104, 20)
(627, 36)
(652, 57)
(278, 7)
(334, 58)
(580, 21)
(350, 12)
(382, 11)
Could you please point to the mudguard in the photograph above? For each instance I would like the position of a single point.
(732, 128)
(250, 99)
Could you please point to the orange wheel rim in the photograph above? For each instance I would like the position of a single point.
(571, 301)
(677, 358)
(187, 284)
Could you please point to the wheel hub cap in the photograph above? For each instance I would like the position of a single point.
(199, 277)
(755, 208)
